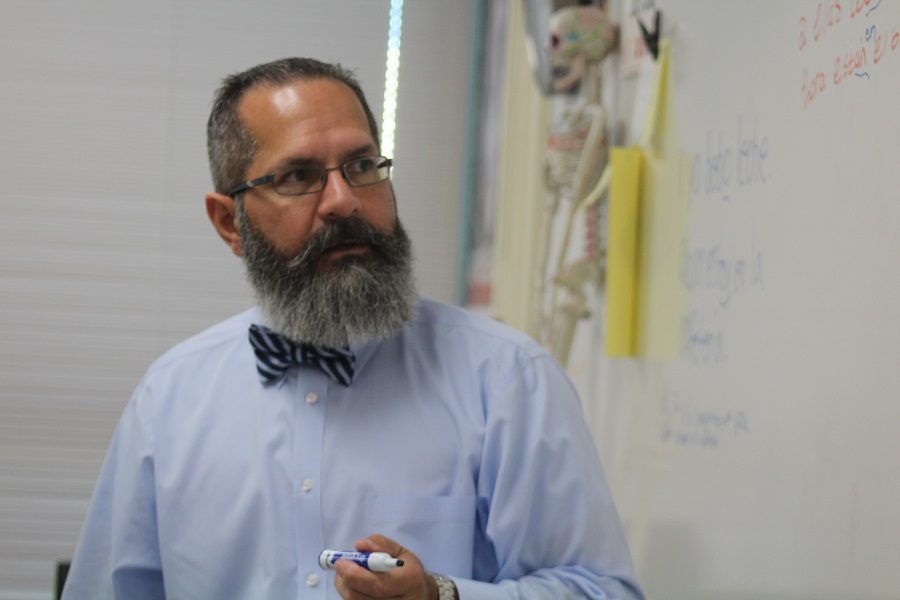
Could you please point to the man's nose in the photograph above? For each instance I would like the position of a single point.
(339, 200)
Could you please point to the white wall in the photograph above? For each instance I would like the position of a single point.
(430, 136)
(108, 258)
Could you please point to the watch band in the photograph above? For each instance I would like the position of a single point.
(445, 586)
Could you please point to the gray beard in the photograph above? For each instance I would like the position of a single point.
(358, 298)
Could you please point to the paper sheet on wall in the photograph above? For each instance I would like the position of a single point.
(665, 187)
(622, 250)
(649, 210)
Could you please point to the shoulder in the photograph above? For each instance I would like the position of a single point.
(453, 322)
(463, 339)
(213, 343)
(194, 373)
(511, 373)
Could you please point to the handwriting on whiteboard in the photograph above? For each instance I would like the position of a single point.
(734, 163)
(732, 160)
(723, 275)
(689, 421)
(702, 342)
(719, 273)
(721, 270)
(842, 42)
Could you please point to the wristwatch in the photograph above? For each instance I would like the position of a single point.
(445, 586)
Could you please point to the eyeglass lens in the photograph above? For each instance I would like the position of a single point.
(305, 179)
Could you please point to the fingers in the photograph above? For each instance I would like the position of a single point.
(380, 543)
(357, 583)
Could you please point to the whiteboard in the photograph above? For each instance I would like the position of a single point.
(759, 455)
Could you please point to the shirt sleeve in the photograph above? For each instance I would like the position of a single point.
(546, 517)
(118, 552)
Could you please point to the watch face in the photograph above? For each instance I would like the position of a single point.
(446, 588)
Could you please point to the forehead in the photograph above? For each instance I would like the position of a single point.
(310, 118)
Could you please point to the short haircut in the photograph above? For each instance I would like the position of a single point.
(230, 145)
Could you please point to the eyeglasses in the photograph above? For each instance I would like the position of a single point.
(311, 178)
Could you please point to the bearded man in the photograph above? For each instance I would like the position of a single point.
(343, 411)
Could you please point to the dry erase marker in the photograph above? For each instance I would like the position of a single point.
(380, 562)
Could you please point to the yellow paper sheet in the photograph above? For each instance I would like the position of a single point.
(665, 202)
(648, 212)
(622, 252)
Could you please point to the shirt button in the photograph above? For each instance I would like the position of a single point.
(306, 485)
(312, 398)
(312, 580)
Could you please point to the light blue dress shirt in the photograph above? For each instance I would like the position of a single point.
(459, 437)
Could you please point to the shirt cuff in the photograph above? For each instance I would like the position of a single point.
(469, 589)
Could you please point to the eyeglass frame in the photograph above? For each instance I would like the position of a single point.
(323, 180)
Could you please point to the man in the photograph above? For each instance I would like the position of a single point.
(409, 427)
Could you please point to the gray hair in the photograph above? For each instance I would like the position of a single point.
(230, 146)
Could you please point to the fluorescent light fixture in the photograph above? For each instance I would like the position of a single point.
(391, 79)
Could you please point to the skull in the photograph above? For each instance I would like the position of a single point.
(579, 36)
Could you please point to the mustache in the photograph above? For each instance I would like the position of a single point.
(348, 231)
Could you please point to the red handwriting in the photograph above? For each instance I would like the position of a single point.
(856, 62)
(849, 65)
(876, 46)
(828, 16)
(881, 45)
(812, 86)
(863, 6)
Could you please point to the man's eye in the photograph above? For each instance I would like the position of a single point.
(299, 175)
(362, 165)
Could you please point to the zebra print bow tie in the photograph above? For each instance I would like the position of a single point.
(275, 354)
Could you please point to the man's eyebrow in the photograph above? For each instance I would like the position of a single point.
(303, 161)
(297, 161)
(364, 150)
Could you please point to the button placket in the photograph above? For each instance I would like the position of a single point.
(309, 426)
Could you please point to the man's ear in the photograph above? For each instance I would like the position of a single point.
(221, 211)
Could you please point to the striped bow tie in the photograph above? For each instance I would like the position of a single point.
(275, 354)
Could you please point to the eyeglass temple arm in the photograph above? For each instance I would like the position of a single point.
(249, 184)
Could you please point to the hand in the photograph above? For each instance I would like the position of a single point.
(409, 582)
